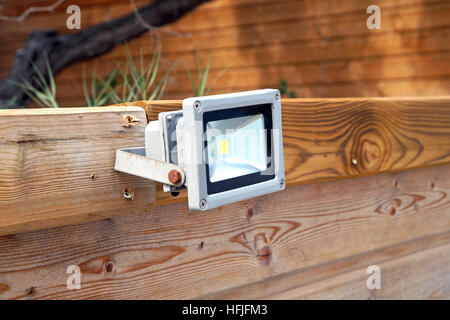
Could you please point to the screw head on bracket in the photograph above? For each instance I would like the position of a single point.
(203, 204)
(277, 96)
(174, 176)
(197, 105)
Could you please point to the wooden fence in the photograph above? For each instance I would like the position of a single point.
(368, 182)
(322, 48)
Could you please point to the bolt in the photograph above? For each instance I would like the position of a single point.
(277, 96)
(197, 105)
(354, 162)
(282, 184)
(174, 176)
(203, 204)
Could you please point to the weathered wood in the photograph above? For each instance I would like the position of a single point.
(339, 138)
(422, 275)
(417, 269)
(45, 168)
(56, 167)
(150, 255)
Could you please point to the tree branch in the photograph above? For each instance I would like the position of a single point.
(66, 49)
(31, 10)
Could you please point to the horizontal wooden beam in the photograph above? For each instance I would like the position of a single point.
(346, 137)
(416, 269)
(56, 166)
(326, 139)
(148, 256)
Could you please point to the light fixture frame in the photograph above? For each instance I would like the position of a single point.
(192, 150)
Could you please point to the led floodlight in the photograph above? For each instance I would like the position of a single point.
(223, 148)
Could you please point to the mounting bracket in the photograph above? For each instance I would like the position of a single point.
(134, 161)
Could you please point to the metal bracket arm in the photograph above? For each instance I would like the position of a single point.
(133, 161)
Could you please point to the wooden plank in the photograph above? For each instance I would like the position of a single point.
(350, 69)
(417, 269)
(339, 138)
(214, 16)
(148, 256)
(281, 33)
(425, 87)
(56, 167)
(414, 17)
(427, 66)
(364, 49)
(322, 138)
(339, 55)
(423, 275)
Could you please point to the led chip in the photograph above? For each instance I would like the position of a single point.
(223, 146)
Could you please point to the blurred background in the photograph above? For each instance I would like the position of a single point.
(307, 48)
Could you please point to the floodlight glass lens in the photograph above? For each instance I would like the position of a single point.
(236, 147)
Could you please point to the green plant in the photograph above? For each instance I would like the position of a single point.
(45, 95)
(284, 90)
(101, 88)
(11, 104)
(139, 83)
(200, 89)
(130, 83)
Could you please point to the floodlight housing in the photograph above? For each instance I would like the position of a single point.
(225, 148)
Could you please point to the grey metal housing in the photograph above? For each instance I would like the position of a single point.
(190, 135)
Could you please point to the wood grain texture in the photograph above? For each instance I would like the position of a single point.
(335, 55)
(328, 139)
(422, 275)
(52, 154)
(417, 269)
(57, 167)
(148, 255)
(249, 74)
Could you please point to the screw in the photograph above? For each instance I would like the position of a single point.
(174, 176)
(203, 204)
(354, 161)
(197, 105)
(277, 96)
(282, 184)
(128, 194)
